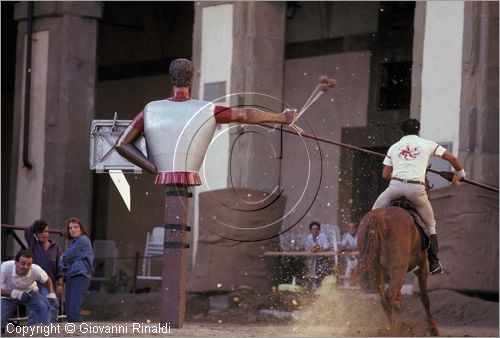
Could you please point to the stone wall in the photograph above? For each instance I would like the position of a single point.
(223, 264)
(467, 228)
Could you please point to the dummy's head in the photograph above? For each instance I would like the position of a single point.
(181, 72)
(410, 127)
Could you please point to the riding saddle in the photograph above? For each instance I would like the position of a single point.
(402, 202)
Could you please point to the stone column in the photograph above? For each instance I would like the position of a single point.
(62, 94)
(256, 52)
(478, 146)
(418, 55)
(258, 66)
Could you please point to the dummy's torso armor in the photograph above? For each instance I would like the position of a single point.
(178, 134)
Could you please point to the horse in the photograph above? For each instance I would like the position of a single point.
(389, 243)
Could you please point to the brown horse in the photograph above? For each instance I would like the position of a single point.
(389, 243)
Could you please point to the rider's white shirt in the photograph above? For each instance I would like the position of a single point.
(410, 155)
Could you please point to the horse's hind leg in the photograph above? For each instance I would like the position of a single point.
(377, 279)
(398, 302)
(391, 295)
(422, 275)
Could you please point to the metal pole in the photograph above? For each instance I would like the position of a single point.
(175, 256)
(27, 88)
(136, 267)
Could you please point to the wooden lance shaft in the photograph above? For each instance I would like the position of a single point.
(444, 174)
(175, 256)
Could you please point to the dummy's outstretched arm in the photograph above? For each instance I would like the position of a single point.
(256, 116)
(288, 116)
(126, 147)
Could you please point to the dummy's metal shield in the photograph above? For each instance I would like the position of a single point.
(103, 156)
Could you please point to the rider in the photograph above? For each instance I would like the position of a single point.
(405, 166)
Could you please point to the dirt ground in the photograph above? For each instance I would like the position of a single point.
(331, 312)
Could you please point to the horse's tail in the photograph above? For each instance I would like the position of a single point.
(372, 227)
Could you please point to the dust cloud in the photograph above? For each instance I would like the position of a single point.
(345, 312)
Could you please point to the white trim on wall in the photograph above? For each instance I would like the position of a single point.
(442, 71)
(216, 61)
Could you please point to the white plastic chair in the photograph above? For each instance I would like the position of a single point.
(153, 247)
(334, 237)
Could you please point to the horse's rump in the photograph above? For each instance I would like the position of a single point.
(374, 230)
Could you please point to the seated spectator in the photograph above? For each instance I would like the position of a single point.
(46, 254)
(348, 246)
(18, 283)
(317, 241)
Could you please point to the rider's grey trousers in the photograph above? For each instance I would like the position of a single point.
(416, 194)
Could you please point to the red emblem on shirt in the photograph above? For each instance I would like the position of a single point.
(409, 152)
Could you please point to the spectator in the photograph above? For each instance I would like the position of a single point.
(46, 254)
(317, 241)
(76, 264)
(18, 283)
(349, 245)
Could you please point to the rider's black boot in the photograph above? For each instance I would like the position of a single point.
(434, 264)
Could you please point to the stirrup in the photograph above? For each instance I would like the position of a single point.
(437, 270)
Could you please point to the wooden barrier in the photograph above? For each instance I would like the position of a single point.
(18, 227)
(308, 253)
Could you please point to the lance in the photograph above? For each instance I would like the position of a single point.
(447, 175)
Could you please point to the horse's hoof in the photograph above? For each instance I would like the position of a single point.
(434, 328)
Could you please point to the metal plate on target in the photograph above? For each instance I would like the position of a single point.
(103, 155)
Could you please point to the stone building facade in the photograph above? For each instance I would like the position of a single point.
(392, 60)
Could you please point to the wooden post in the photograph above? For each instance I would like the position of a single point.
(173, 285)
